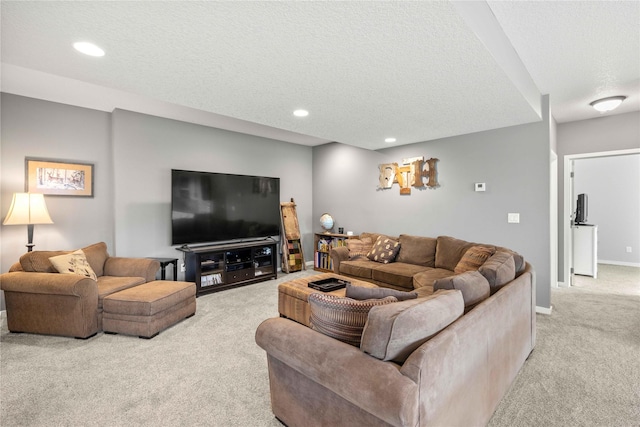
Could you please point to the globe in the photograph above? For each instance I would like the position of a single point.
(326, 221)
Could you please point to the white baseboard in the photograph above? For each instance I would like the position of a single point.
(543, 310)
(561, 285)
(309, 264)
(625, 264)
(3, 314)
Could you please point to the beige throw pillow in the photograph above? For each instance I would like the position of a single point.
(73, 263)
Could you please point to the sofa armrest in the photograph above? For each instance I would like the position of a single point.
(338, 254)
(132, 267)
(373, 385)
(48, 283)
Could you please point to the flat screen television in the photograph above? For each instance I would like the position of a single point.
(582, 208)
(211, 207)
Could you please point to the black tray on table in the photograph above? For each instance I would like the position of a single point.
(328, 285)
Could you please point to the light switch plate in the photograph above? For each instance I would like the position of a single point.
(481, 186)
(513, 218)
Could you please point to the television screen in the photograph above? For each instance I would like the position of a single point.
(582, 208)
(214, 207)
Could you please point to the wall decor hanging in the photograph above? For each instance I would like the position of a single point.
(412, 173)
(58, 177)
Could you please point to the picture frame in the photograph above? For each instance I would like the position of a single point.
(58, 177)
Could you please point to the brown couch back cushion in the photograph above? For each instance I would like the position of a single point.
(38, 261)
(97, 255)
(417, 250)
(449, 252)
(394, 331)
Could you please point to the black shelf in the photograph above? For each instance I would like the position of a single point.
(219, 267)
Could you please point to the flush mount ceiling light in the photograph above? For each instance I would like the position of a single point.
(88, 49)
(607, 104)
(390, 140)
(301, 113)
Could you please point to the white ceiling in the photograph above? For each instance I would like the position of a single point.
(416, 71)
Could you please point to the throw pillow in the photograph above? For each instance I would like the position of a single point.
(359, 247)
(341, 318)
(395, 331)
(473, 285)
(499, 270)
(473, 258)
(362, 293)
(73, 263)
(384, 250)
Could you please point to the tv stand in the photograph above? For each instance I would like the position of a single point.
(215, 268)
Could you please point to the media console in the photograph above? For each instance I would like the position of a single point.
(219, 267)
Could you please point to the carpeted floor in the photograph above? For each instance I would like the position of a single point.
(208, 371)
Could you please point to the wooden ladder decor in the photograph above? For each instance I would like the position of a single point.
(292, 255)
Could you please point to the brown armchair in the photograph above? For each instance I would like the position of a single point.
(41, 300)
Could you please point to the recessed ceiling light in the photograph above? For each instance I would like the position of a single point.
(88, 49)
(301, 113)
(390, 140)
(607, 104)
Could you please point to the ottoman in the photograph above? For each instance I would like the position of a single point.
(147, 309)
(293, 295)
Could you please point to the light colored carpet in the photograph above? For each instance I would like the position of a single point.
(208, 371)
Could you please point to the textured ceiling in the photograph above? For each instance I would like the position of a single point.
(365, 70)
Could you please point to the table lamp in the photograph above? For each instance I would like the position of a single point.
(28, 209)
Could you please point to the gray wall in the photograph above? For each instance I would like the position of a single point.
(133, 155)
(35, 128)
(146, 148)
(607, 133)
(613, 188)
(513, 162)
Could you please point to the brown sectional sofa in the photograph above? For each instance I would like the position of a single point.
(420, 261)
(430, 361)
(41, 300)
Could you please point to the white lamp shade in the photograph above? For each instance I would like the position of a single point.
(27, 208)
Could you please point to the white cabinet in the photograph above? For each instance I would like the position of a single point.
(585, 250)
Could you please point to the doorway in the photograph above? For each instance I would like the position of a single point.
(569, 204)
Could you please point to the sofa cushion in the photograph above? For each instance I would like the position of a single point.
(517, 259)
(427, 277)
(359, 247)
(360, 267)
(384, 250)
(449, 251)
(472, 284)
(362, 293)
(73, 263)
(108, 285)
(473, 258)
(417, 250)
(38, 261)
(397, 274)
(341, 318)
(394, 331)
(498, 270)
(96, 255)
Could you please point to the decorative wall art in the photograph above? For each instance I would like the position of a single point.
(411, 173)
(58, 178)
